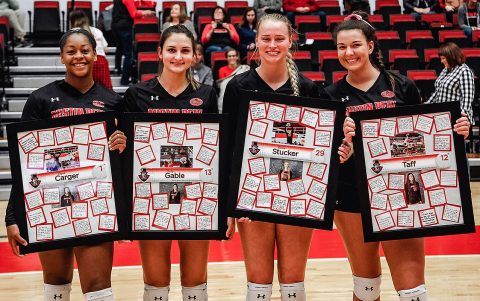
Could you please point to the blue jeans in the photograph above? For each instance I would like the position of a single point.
(125, 39)
(468, 32)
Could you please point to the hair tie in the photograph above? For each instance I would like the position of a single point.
(358, 18)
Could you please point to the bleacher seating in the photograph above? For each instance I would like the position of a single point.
(146, 42)
(145, 25)
(46, 23)
(217, 61)
(424, 80)
(420, 40)
(456, 36)
(403, 60)
(402, 23)
(432, 60)
(330, 7)
(317, 77)
(235, 8)
(86, 6)
(147, 63)
(308, 23)
(321, 41)
(328, 60)
(338, 75)
(472, 59)
(202, 8)
(388, 40)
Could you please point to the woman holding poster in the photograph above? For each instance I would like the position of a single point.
(368, 82)
(276, 73)
(174, 91)
(76, 94)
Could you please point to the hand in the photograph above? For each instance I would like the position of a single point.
(117, 140)
(417, 10)
(449, 8)
(14, 239)
(462, 126)
(148, 13)
(299, 9)
(345, 151)
(226, 26)
(244, 220)
(426, 10)
(231, 228)
(306, 9)
(348, 129)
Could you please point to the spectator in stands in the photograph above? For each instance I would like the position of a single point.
(469, 17)
(16, 17)
(267, 7)
(220, 35)
(178, 15)
(359, 5)
(226, 73)
(101, 70)
(303, 7)
(124, 11)
(449, 7)
(419, 7)
(455, 82)
(233, 59)
(201, 73)
(247, 32)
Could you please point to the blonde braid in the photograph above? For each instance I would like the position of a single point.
(192, 80)
(293, 74)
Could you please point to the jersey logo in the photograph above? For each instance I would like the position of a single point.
(345, 99)
(98, 103)
(53, 99)
(387, 94)
(34, 181)
(143, 175)
(152, 98)
(196, 102)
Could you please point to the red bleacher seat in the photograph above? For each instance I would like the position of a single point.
(217, 61)
(145, 25)
(308, 23)
(252, 57)
(330, 7)
(5, 28)
(472, 59)
(203, 8)
(403, 60)
(202, 22)
(236, 20)
(102, 5)
(387, 8)
(338, 75)
(303, 60)
(235, 8)
(332, 21)
(424, 80)
(321, 41)
(315, 76)
(148, 76)
(402, 23)
(85, 6)
(388, 40)
(328, 60)
(432, 60)
(146, 42)
(377, 21)
(434, 18)
(46, 23)
(420, 40)
(146, 4)
(456, 36)
(147, 63)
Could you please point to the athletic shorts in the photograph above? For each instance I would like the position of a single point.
(347, 198)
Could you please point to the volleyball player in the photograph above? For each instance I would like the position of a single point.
(174, 91)
(77, 94)
(368, 85)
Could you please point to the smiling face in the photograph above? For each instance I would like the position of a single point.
(232, 57)
(273, 41)
(175, 11)
(353, 50)
(78, 56)
(444, 61)
(177, 53)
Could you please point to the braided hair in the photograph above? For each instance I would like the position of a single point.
(180, 29)
(291, 66)
(369, 32)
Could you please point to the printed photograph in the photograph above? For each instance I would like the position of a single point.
(175, 191)
(176, 156)
(414, 192)
(407, 145)
(288, 133)
(68, 194)
(287, 169)
(62, 158)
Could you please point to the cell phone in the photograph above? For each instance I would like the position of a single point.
(219, 25)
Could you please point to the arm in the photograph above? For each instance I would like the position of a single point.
(206, 34)
(407, 5)
(233, 34)
(132, 9)
(462, 17)
(467, 91)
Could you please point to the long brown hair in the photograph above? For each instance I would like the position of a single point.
(183, 14)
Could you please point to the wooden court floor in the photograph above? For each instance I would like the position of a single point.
(449, 278)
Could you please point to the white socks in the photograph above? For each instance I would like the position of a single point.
(257, 292)
(101, 295)
(415, 294)
(293, 292)
(152, 293)
(196, 293)
(57, 292)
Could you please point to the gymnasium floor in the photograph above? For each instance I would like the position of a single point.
(452, 270)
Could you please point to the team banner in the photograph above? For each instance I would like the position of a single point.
(413, 176)
(285, 161)
(175, 176)
(66, 182)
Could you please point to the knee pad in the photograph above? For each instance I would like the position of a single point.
(415, 294)
(367, 289)
(57, 292)
(293, 292)
(152, 293)
(196, 293)
(256, 292)
(101, 295)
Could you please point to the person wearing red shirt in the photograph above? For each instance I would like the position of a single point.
(233, 59)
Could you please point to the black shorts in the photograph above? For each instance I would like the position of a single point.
(347, 198)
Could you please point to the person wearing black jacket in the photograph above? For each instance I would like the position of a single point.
(419, 7)
(77, 94)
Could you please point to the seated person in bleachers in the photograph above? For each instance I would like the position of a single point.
(362, 5)
(233, 60)
(201, 73)
(178, 15)
(220, 34)
(419, 7)
(247, 32)
(267, 7)
(303, 7)
(16, 17)
(469, 17)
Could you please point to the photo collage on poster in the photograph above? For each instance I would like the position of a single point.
(67, 182)
(175, 176)
(412, 172)
(286, 158)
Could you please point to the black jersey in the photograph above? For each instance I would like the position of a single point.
(151, 97)
(379, 96)
(60, 99)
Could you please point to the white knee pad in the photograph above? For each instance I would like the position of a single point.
(415, 294)
(101, 295)
(256, 292)
(57, 292)
(152, 293)
(196, 293)
(293, 292)
(367, 289)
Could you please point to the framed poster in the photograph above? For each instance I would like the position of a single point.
(412, 172)
(285, 162)
(174, 171)
(69, 183)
